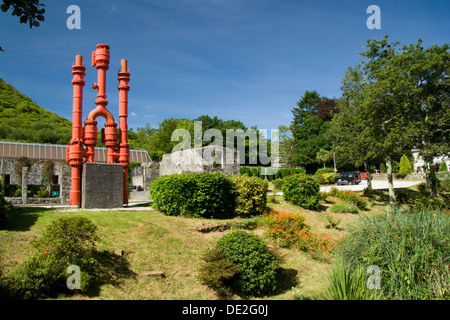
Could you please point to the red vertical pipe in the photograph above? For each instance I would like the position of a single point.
(75, 152)
(124, 79)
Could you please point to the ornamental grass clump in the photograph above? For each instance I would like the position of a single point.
(411, 248)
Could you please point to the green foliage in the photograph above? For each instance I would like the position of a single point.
(70, 241)
(405, 165)
(258, 266)
(47, 172)
(348, 283)
(251, 196)
(344, 207)
(66, 241)
(424, 200)
(42, 193)
(217, 272)
(349, 196)
(332, 222)
(28, 11)
(37, 277)
(412, 250)
(23, 120)
(208, 195)
(324, 170)
(311, 121)
(301, 190)
(443, 167)
(278, 183)
(5, 210)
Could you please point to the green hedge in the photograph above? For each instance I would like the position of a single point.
(301, 190)
(209, 195)
(251, 195)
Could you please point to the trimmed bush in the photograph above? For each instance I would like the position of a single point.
(209, 195)
(412, 250)
(258, 266)
(251, 195)
(301, 190)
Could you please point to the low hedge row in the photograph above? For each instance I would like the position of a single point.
(209, 195)
(269, 172)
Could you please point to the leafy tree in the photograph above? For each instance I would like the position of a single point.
(398, 99)
(28, 11)
(323, 156)
(443, 167)
(309, 126)
(405, 165)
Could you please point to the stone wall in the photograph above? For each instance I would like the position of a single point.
(102, 186)
(207, 159)
(34, 176)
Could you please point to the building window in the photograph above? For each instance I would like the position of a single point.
(7, 180)
(55, 179)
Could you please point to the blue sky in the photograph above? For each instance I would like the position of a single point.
(248, 60)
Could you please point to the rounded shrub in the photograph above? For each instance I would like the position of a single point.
(70, 241)
(256, 266)
(251, 195)
(209, 195)
(301, 190)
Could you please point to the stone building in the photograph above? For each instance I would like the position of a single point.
(211, 158)
(37, 154)
(419, 162)
(207, 159)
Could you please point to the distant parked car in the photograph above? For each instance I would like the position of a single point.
(364, 176)
(352, 177)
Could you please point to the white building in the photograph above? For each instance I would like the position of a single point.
(419, 163)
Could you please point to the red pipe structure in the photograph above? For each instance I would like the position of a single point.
(117, 150)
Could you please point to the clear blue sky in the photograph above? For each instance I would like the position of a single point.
(248, 60)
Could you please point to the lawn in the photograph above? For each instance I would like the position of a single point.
(158, 257)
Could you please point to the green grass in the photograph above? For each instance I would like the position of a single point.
(151, 241)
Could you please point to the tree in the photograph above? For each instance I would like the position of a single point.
(28, 11)
(399, 99)
(311, 121)
(443, 167)
(405, 166)
(323, 156)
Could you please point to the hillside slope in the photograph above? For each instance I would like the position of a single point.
(21, 119)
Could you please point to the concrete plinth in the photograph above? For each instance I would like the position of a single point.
(102, 186)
